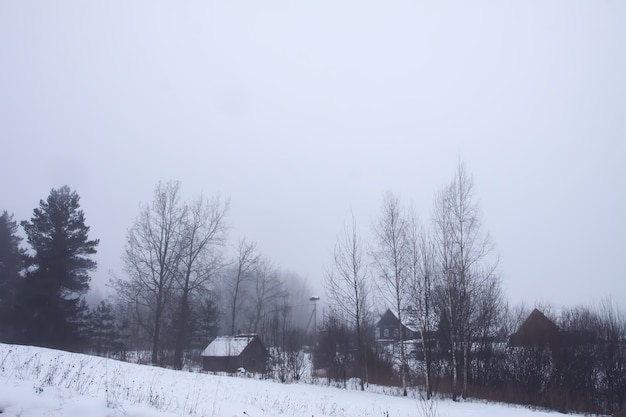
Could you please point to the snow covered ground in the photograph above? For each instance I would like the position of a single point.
(44, 382)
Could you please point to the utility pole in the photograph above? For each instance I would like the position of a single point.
(315, 299)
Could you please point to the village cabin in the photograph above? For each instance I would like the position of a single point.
(538, 330)
(387, 329)
(233, 353)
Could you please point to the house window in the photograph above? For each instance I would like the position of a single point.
(395, 333)
(378, 333)
(386, 332)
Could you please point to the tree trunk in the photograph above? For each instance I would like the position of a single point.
(361, 353)
(234, 309)
(402, 356)
(465, 366)
(454, 368)
(182, 329)
(426, 366)
(155, 338)
(454, 345)
(156, 335)
(425, 329)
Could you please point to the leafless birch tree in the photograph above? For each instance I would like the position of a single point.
(348, 287)
(447, 278)
(467, 274)
(390, 260)
(422, 269)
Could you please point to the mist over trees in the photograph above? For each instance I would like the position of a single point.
(173, 251)
(181, 286)
(246, 261)
(181, 289)
(449, 330)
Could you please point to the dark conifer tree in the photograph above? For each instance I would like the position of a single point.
(104, 334)
(57, 273)
(11, 265)
(204, 323)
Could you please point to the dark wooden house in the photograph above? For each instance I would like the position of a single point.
(387, 329)
(537, 330)
(230, 353)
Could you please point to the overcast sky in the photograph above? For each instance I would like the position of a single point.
(300, 111)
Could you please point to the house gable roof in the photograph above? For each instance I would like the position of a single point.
(388, 319)
(228, 346)
(537, 329)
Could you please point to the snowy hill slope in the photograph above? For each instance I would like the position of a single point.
(39, 382)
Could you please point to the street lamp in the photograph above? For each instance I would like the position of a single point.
(314, 299)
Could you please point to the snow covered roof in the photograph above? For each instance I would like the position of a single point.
(412, 327)
(228, 345)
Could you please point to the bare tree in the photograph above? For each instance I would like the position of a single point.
(612, 355)
(448, 280)
(463, 249)
(267, 297)
(202, 240)
(488, 317)
(472, 246)
(244, 266)
(347, 285)
(390, 259)
(152, 258)
(422, 269)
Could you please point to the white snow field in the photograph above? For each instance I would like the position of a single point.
(44, 382)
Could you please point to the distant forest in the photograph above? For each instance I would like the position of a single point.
(453, 333)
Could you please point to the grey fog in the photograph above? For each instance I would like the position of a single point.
(304, 113)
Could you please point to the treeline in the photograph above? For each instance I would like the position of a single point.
(441, 270)
(452, 326)
(181, 286)
(582, 369)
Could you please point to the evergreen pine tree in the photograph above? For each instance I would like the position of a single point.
(57, 276)
(80, 325)
(204, 323)
(104, 333)
(11, 265)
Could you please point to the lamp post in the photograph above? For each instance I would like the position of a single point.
(314, 299)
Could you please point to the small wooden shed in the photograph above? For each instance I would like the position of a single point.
(230, 353)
